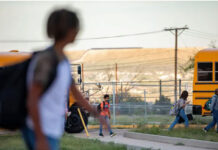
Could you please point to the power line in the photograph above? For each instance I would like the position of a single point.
(192, 31)
(158, 60)
(123, 35)
(163, 60)
(133, 63)
(198, 36)
(201, 35)
(129, 65)
(90, 38)
(200, 32)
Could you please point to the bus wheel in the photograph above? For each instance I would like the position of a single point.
(74, 123)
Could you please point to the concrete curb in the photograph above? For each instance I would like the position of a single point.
(172, 140)
(146, 126)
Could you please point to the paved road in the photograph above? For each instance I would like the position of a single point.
(137, 144)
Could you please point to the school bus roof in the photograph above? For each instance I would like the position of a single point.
(207, 54)
(8, 58)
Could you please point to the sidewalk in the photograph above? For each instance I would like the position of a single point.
(135, 144)
(172, 140)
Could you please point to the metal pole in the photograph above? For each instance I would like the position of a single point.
(160, 89)
(116, 82)
(114, 109)
(186, 86)
(84, 125)
(83, 73)
(180, 86)
(121, 95)
(175, 92)
(145, 103)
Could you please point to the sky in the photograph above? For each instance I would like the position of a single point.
(23, 24)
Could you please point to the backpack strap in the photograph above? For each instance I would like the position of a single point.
(54, 62)
(53, 72)
(103, 104)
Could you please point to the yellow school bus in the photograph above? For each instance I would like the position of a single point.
(9, 58)
(205, 79)
(75, 124)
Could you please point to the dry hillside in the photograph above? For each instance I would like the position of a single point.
(147, 63)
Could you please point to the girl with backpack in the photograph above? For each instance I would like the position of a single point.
(182, 102)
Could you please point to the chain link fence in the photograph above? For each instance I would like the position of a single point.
(136, 91)
(132, 114)
(137, 102)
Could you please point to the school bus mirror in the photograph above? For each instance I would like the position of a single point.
(79, 80)
(79, 69)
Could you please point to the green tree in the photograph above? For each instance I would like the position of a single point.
(189, 65)
(163, 100)
(212, 44)
(128, 98)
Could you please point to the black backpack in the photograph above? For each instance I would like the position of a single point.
(189, 116)
(13, 93)
(99, 106)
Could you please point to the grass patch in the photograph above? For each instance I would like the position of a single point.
(201, 120)
(11, 142)
(68, 142)
(121, 120)
(151, 119)
(189, 133)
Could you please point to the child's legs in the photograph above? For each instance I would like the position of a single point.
(108, 124)
(216, 118)
(101, 126)
(174, 122)
(184, 116)
(212, 124)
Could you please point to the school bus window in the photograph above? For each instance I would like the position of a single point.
(205, 70)
(216, 71)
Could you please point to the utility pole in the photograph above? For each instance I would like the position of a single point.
(176, 49)
(180, 86)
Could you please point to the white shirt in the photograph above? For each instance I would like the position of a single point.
(181, 102)
(52, 102)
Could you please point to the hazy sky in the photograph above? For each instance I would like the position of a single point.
(22, 22)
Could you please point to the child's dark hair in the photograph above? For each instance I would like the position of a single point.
(184, 95)
(106, 96)
(60, 22)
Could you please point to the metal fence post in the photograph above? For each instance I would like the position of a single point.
(186, 86)
(160, 89)
(130, 112)
(121, 94)
(180, 87)
(145, 104)
(114, 109)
